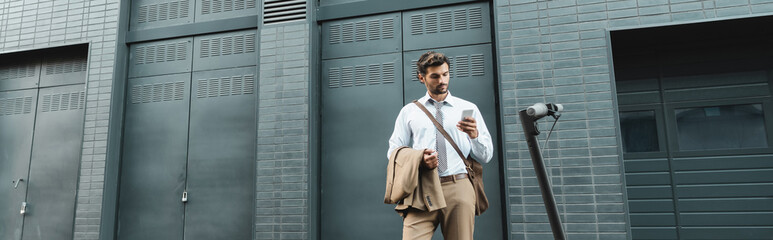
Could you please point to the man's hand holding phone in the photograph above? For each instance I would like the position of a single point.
(467, 124)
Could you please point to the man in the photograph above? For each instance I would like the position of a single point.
(413, 128)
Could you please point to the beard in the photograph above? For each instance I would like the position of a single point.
(440, 90)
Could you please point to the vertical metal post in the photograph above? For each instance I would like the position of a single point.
(531, 132)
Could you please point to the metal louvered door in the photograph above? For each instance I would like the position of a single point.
(155, 150)
(154, 158)
(361, 95)
(42, 102)
(17, 118)
(358, 111)
(361, 100)
(222, 137)
(190, 139)
(221, 159)
(56, 150)
(463, 34)
(472, 79)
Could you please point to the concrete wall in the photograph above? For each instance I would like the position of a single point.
(31, 24)
(557, 51)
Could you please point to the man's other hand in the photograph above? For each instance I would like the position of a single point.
(430, 159)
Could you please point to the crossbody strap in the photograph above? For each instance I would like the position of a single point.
(445, 134)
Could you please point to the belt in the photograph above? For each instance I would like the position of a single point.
(453, 177)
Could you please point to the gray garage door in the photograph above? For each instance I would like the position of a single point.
(367, 76)
(188, 165)
(697, 124)
(42, 102)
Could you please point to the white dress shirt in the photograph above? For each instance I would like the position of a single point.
(413, 128)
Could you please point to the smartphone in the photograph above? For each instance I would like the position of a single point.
(466, 113)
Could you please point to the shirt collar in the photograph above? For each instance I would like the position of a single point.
(450, 100)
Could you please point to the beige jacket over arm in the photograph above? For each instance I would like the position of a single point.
(409, 186)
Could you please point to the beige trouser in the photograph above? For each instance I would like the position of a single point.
(457, 220)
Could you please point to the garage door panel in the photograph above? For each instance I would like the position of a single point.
(653, 219)
(726, 204)
(649, 192)
(725, 232)
(727, 219)
(726, 190)
(654, 232)
(653, 165)
(723, 162)
(724, 176)
(716, 125)
(715, 80)
(694, 94)
(638, 98)
(651, 205)
(640, 85)
(639, 179)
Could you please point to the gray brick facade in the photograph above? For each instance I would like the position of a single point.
(27, 25)
(283, 133)
(548, 51)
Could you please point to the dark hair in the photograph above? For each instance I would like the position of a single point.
(430, 59)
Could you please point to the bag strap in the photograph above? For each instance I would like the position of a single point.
(445, 134)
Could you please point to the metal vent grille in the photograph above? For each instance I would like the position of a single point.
(63, 101)
(472, 65)
(226, 86)
(158, 53)
(17, 71)
(158, 92)
(446, 21)
(360, 31)
(65, 65)
(415, 70)
(14, 106)
(163, 11)
(221, 6)
(360, 75)
(467, 65)
(227, 45)
(279, 11)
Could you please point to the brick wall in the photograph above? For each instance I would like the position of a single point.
(556, 51)
(283, 133)
(550, 51)
(29, 24)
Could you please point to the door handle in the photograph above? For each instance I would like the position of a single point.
(185, 196)
(23, 208)
(16, 183)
